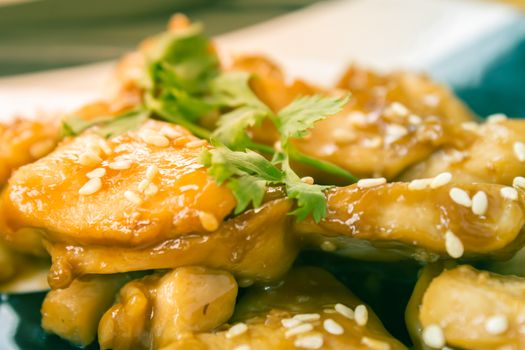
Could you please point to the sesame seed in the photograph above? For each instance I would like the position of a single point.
(453, 245)
(169, 132)
(98, 172)
(519, 150)
(41, 148)
(441, 180)
(460, 197)
(151, 190)
(509, 193)
(366, 183)
(132, 197)
(357, 118)
(497, 324)
(143, 185)
(122, 164)
(394, 132)
(155, 139)
(196, 143)
(470, 126)
(344, 311)
(90, 187)
(375, 344)
(151, 171)
(373, 142)
(307, 317)
(242, 347)
(333, 327)
(89, 158)
(480, 203)
(208, 221)
(308, 180)
(361, 315)
(433, 336)
(299, 329)
(431, 100)
(496, 118)
(236, 330)
(419, 184)
(328, 246)
(329, 311)
(290, 322)
(314, 341)
(343, 135)
(104, 146)
(519, 182)
(398, 109)
(415, 119)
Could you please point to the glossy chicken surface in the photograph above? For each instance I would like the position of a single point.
(476, 309)
(393, 220)
(160, 309)
(490, 154)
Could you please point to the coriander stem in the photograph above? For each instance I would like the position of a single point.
(193, 128)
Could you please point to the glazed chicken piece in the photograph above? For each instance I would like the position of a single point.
(73, 313)
(471, 309)
(309, 309)
(494, 153)
(23, 141)
(138, 201)
(160, 309)
(423, 220)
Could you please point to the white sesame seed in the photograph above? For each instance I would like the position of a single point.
(299, 329)
(398, 109)
(90, 187)
(441, 180)
(308, 180)
(433, 336)
(431, 100)
(155, 139)
(470, 126)
(89, 158)
(415, 119)
(314, 341)
(104, 146)
(196, 143)
(151, 171)
(242, 347)
(122, 164)
(453, 245)
(151, 190)
(132, 197)
(366, 183)
(328, 246)
(519, 182)
(329, 311)
(41, 148)
(307, 317)
(394, 132)
(290, 322)
(344, 311)
(333, 327)
(373, 142)
(236, 330)
(208, 221)
(519, 150)
(343, 135)
(460, 197)
(375, 344)
(509, 193)
(357, 118)
(143, 185)
(480, 203)
(497, 324)
(361, 315)
(419, 184)
(98, 172)
(496, 118)
(169, 132)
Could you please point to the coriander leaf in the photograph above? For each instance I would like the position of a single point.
(232, 89)
(74, 125)
(300, 115)
(232, 126)
(247, 189)
(310, 198)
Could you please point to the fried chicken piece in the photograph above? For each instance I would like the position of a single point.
(389, 221)
(494, 153)
(471, 309)
(309, 309)
(73, 313)
(163, 308)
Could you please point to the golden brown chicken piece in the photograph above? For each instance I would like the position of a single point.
(139, 201)
(388, 221)
(471, 309)
(23, 141)
(309, 309)
(164, 308)
(494, 153)
(73, 313)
